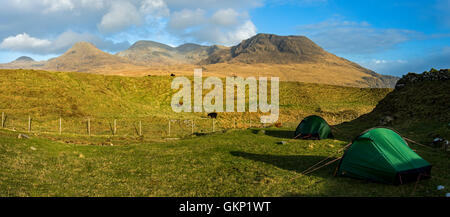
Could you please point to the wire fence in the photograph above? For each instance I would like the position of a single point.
(150, 126)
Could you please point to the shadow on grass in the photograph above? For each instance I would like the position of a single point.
(297, 163)
(285, 134)
(347, 131)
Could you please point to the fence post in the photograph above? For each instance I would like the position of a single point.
(29, 123)
(234, 123)
(192, 126)
(115, 127)
(140, 128)
(89, 126)
(60, 125)
(169, 127)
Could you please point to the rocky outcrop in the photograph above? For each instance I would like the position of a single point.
(418, 97)
(414, 78)
(269, 48)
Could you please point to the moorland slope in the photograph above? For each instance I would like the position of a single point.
(291, 58)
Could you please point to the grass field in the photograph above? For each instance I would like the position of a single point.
(230, 162)
(75, 97)
(235, 163)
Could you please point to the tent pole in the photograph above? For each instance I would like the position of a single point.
(409, 140)
(312, 167)
(336, 170)
(297, 136)
(330, 162)
(417, 182)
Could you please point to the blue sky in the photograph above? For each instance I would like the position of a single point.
(390, 37)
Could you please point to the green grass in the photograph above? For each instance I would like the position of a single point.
(234, 163)
(75, 97)
(241, 162)
(71, 94)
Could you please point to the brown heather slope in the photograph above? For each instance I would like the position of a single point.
(273, 49)
(296, 58)
(85, 57)
(291, 58)
(149, 52)
(23, 62)
(154, 53)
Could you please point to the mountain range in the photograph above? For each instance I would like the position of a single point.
(292, 58)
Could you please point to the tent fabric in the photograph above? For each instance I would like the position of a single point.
(380, 154)
(313, 127)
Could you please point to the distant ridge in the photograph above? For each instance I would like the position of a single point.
(154, 53)
(23, 62)
(24, 59)
(269, 48)
(274, 49)
(83, 56)
(291, 58)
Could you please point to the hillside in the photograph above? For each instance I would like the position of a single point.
(296, 50)
(419, 103)
(46, 96)
(24, 59)
(274, 49)
(248, 161)
(23, 62)
(148, 52)
(154, 53)
(83, 57)
(418, 97)
(291, 58)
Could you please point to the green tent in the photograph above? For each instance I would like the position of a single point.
(313, 127)
(380, 154)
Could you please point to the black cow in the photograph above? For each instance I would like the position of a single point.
(212, 115)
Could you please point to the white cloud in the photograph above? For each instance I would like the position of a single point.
(224, 36)
(23, 42)
(43, 6)
(350, 37)
(305, 3)
(436, 59)
(225, 17)
(381, 62)
(68, 38)
(186, 18)
(224, 26)
(245, 31)
(177, 21)
(95, 4)
(74, 5)
(155, 8)
(120, 16)
(213, 4)
(58, 5)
